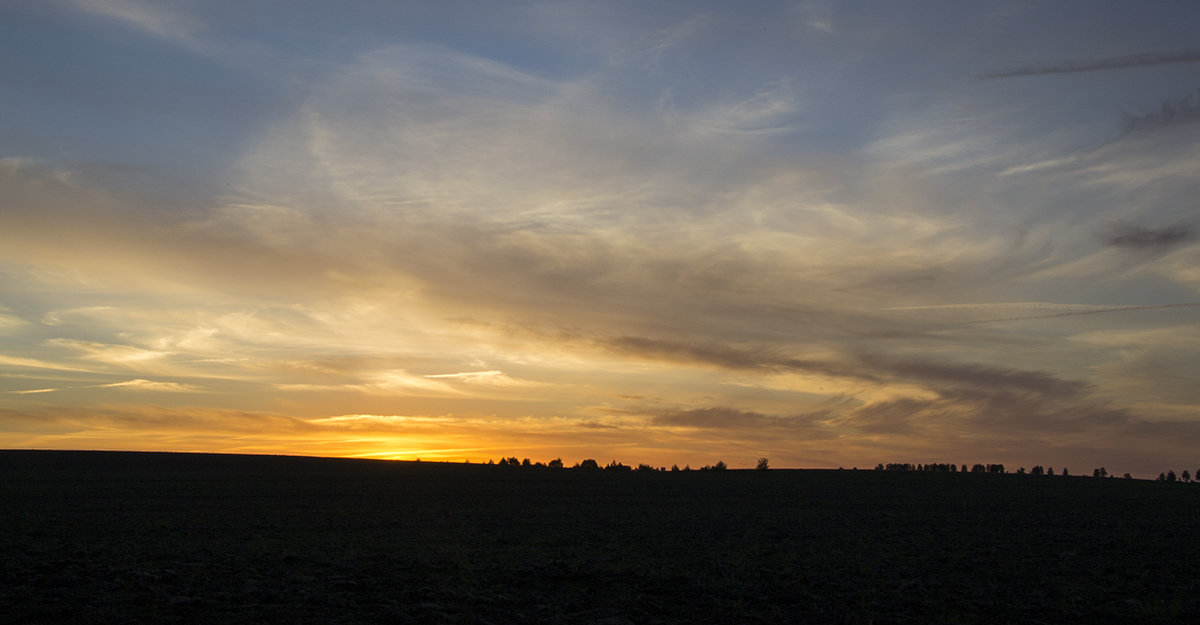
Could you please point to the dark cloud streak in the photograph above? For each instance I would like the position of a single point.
(945, 378)
(1096, 65)
(1130, 236)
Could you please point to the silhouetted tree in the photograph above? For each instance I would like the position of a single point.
(556, 463)
(674, 468)
(1065, 472)
(1037, 470)
(1162, 477)
(526, 463)
(590, 463)
(616, 466)
(1049, 470)
(1170, 476)
(1185, 476)
(644, 467)
(762, 465)
(1128, 476)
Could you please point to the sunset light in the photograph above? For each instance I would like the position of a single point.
(830, 234)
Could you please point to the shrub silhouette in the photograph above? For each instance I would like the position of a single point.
(762, 465)
(590, 463)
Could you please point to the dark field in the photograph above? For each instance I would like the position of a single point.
(122, 537)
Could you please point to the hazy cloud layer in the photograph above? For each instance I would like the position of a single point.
(664, 234)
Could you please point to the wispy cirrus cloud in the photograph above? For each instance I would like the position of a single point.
(668, 229)
(34, 391)
(152, 385)
(154, 18)
(725, 418)
(1037, 310)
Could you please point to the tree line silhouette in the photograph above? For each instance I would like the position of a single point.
(1037, 470)
(590, 464)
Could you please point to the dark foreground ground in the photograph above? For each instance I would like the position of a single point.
(89, 537)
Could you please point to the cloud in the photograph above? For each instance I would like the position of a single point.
(396, 382)
(1182, 110)
(977, 378)
(150, 385)
(152, 18)
(34, 391)
(1040, 310)
(1144, 59)
(725, 418)
(485, 378)
(35, 363)
(386, 421)
(1131, 236)
(125, 355)
(1096, 310)
(738, 232)
(10, 322)
(979, 387)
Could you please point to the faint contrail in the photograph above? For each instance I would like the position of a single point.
(1096, 311)
(1096, 65)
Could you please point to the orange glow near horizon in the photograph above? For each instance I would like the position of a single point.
(655, 237)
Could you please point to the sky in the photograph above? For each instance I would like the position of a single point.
(826, 233)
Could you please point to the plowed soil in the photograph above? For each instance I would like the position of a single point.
(108, 537)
